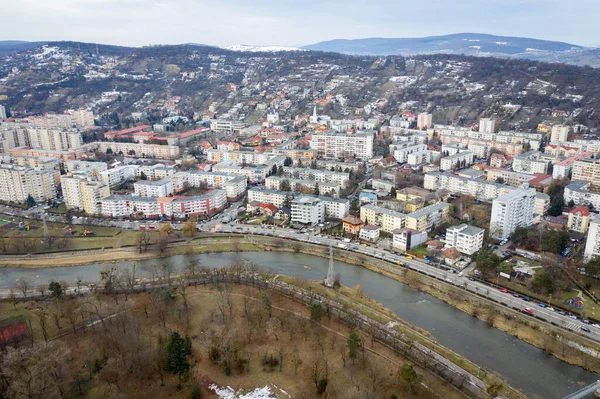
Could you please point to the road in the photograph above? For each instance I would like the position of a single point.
(464, 282)
(447, 276)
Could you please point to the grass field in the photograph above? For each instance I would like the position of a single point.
(4, 222)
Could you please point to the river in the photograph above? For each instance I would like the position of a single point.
(534, 371)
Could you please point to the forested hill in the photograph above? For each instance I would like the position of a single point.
(58, 76)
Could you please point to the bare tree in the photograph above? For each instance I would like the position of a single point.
(36, 371)
(143, 240)
(162, 242)
(23, 284)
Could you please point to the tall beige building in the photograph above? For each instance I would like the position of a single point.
(82, 118)
(559, 133)
(82, 192)
(18, 182)
(424, 120)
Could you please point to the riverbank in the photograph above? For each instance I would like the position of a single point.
(561, 344)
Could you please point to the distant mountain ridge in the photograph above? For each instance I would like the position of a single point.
(476, 44)
(15, 46)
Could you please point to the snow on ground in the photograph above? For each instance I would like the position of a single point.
(256, 49)
(266, 392)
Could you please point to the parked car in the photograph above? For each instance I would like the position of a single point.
(586, 329)
(542, 305)
(504, 290)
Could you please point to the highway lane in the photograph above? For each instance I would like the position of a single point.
(477, 287)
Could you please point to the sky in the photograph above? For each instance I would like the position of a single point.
(292, 22)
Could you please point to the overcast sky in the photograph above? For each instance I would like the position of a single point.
(291, 22)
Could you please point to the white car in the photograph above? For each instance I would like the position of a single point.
(550, 308)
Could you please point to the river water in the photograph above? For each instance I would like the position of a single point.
(537, 373)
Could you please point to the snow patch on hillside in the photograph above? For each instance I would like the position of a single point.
(257, 49)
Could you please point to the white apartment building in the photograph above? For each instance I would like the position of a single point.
(369, 233)
(452, 149)
(299, 185)
(154, 208)
(379, 184)
(154, 189)
(387, 219)
(333, 145)
(559, 133)
(336, 165)
(487, 125)
(83, 192)
(457, 161)
(407, 239)
(119, 175)
(2, 112)
(235, 186)
(467, 239)
(424, 120)
(401, 151)
(510, 211)
(226, 126)
(155, 172)
(417, 138)
(583, 193)
(277, 198)
(307, 210)
(419, 157)
(337, 208)
(17, 183)
(480, 189)
(16, 135)
(530, 162)
(321, 176)
(131, 149)
(592, 244)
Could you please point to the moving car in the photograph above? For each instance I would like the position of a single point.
(528, 310)
(504, 290)
(586, 329)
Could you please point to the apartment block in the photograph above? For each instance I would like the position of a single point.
(583, 193)
(321, 176)
(424, 120)
(407, 239)
(587, 169)
(426, 218)
(307, 210)
(83, 192)
(457, 161)
(337, 208)
(119, 175)
(592, 243)
(530, 162)
(401, 151)
(510, 211)
(305, 186)
(333, 145)
(154, 208)
(559, 133)
(154, 189)
(387, 219)
(480, 189)
(419, 157)
(467, 239)
(17, 183)
(579, 219)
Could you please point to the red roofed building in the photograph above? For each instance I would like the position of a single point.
(579, 219)
(125, 132)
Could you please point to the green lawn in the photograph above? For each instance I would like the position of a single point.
(4, 222)
(422, 250)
